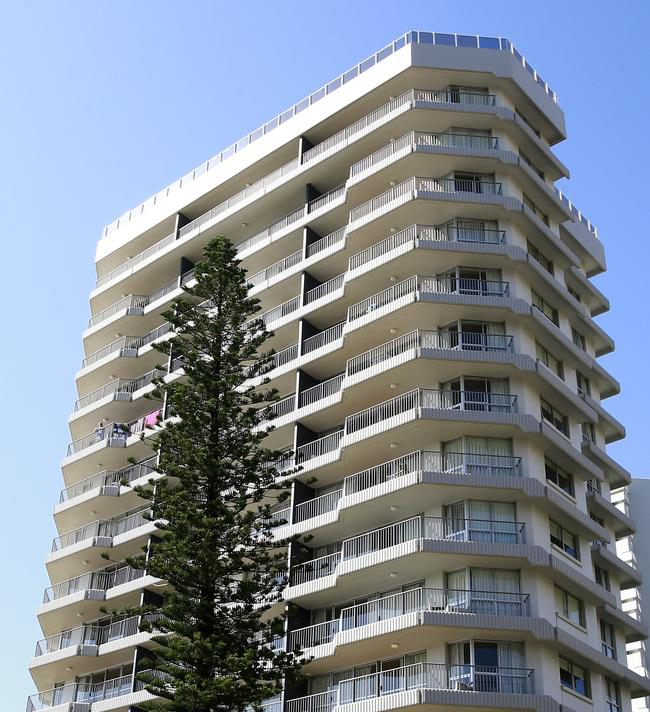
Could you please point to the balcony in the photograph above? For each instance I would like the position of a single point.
(109, 482)
(413, 287)
(100, 533)
(465, 679)
(87, 693)
(422, 527)
(429, 399)
(386, 476)
(114, 434)
(100, 580)
(418, 140)
(127, 346)
(415, 235)
(413, 188)
(89, 636)
(416, 601)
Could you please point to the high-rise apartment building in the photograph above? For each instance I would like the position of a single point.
(429, 292)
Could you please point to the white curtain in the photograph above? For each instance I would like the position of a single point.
(511, 654)
(493, 281)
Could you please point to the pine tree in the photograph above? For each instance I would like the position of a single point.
(215, 546)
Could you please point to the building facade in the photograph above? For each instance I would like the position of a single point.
(429, 292)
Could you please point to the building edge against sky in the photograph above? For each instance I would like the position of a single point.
(428, 289)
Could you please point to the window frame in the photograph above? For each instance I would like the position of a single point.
(557, 419)
(550, 312)
(562, 542)
(555, 468)
(571, 670)
(565, 613)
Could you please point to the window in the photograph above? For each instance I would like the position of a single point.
(547, 310)
(608, 639)
(554, 417)
(588, 432)
(529, 163)
(559, 477)
(476, 183)
(531, 206)
(578, 339)
(540, 257)
(574, 677)
(583, 385)
(569, 607)
(602, 577)
(564, 539)
(547, 358)
(612, 696)
(574, 294)
(530, 126)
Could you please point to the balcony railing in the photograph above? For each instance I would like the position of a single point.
(322, 390)
(418, 600)
(421, 676)
(456, 463)
(325, 337)
(411, 187)
(417, 234)
(454, 96)
(421, 527)
(92, 581)
(324, 289)
(133, 261)
(88, 635)
(275, 269)
(444, 340)
(317, 448)
(280, 311)
(114, 434)
(418, 138)
(444, 284)
(317, 506)
(433, 399)
(131, 303)
(332, 239)
(85, 692)
(101, 528)
(127, 345)
(106, 479)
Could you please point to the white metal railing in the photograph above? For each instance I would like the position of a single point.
(420, 339)
(322, 390)
(317, 506)
(129, 302)
(332, 285)
(106, 478)
(282, 407)
(326, 199)
(102, 528)
(417, 600)
(414, 139)
(92, 581)
(317, 448)
(397, 192)
(431, 461)
(275, 269)
(416, 234)
(381, 299)
(312, 343)
(443, 284)
(247, 192)
(278, 312)
(88, 635)
(430, 398)
(133, 261)
(436, 676)
(412, 186)
(419, 527)
(285, 356)
(454, 96)
(271, 229)
(332, 239)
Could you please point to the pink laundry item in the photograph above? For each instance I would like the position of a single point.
(151, 419)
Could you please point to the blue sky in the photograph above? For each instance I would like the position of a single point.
(104, 103)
